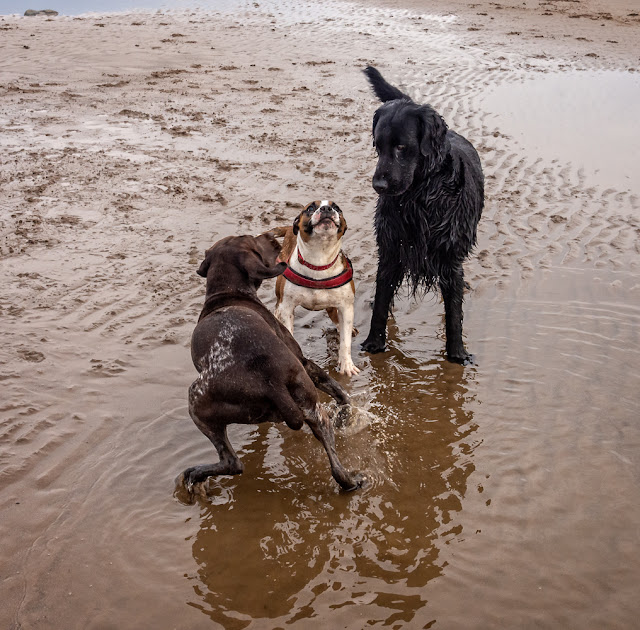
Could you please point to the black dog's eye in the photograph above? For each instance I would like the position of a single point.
(400, 148)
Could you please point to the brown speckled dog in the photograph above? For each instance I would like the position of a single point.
(251, 368)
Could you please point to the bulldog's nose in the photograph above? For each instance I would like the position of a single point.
(380, 184)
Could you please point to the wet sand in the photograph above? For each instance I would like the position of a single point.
(502, 495)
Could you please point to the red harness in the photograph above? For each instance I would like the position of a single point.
(325, 283)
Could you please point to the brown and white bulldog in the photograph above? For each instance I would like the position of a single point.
(319, 275)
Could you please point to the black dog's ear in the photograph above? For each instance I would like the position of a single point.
(296, 225)
(376, 117)
(204, 266)
(433, 143)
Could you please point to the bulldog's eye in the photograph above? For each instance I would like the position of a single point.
(335, 207)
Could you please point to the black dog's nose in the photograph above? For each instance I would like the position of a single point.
(380, 185)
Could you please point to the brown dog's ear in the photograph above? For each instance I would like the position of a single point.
(257, 269)
(204, 265)
(259, 261)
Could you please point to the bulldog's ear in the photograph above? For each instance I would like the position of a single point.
(343, 222)
(204, 265)
(296, 225)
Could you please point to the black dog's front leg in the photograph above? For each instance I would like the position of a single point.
(386, 285)
(325, 383)
(452, 288)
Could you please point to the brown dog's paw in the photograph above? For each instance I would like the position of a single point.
(359, 481)
(342, 417)
(182, 492)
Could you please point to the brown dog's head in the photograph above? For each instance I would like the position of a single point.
(237, 261)
(322, 219)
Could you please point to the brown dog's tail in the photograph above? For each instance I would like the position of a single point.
(383, 90)
(278, 232)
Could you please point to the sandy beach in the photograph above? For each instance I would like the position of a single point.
(503, 494)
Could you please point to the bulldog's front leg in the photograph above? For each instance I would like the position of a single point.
(345, 326)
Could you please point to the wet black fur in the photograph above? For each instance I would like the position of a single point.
(431, 194)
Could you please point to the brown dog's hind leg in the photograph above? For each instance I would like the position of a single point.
(325, 383)
(229, 463)
(319, 422)
(313, 413)
(288, 409)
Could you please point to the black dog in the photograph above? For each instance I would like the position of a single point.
(251, 368)
(431, 193)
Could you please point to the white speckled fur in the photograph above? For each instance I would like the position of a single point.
(217, 360)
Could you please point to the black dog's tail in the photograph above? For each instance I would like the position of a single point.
(383, 90)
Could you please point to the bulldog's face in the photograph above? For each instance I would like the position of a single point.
(320, 219)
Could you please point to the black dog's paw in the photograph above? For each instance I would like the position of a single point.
(463, 358)
(470, 360)
(373, 344)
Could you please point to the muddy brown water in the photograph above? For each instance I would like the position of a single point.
(501, 495)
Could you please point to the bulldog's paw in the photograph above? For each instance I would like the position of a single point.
(347, 367)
